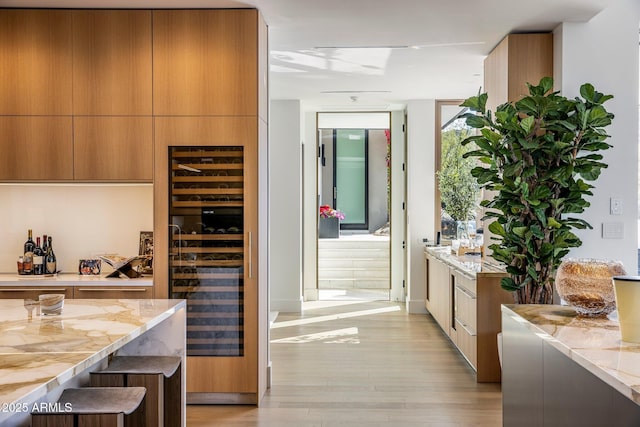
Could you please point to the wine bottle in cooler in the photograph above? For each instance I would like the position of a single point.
(50, 263)
(29, 246)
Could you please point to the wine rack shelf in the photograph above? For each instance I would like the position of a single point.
(207, 246)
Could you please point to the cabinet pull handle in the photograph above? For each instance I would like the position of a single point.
(32, 289)
(250, 255)
(107, 290)
(466, 292)
(466, 328)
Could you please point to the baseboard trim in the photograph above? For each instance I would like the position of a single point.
(416, 307)
(222, 399)
(286, 306)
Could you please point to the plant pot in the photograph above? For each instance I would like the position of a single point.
(328, 228)
(627, 290)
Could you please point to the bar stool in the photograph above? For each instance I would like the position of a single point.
(94, 407)
(160, 375)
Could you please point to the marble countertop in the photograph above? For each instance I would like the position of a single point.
(72, 279)
(593, 343)
(469, 265)
(38, 354)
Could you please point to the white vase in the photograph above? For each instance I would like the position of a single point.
(627, 291)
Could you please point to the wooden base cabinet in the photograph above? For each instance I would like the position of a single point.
(33, 292)
(466, 305)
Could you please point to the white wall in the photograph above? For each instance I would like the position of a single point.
(420, 194)
(285, 207)
(309, 208)
(604, 52)
(84, 220)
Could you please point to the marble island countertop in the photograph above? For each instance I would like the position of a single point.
(593, 343)
(71, 279)
(39, 354)
(470, 265)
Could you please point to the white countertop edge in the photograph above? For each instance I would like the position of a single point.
(71, 279)
(610, 377)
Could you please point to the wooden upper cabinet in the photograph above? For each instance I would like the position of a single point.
(205, 62)
(113, 148)
(35, 62)
(36, 148)
(112, 62)
(517, 60)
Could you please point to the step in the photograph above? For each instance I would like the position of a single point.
(337, 244)
(353, 263)
(353, 273)
(352, 253)
(352, 284)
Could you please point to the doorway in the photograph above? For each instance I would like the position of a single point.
(354, 179)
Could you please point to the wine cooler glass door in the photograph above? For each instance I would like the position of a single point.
(206, 257)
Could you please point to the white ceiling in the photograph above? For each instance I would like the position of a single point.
(377, 54)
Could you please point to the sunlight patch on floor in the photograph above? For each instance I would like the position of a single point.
(338, 336)
(318, 319)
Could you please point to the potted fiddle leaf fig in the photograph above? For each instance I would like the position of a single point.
(539, 156)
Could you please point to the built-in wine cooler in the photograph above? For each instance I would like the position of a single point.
(207, 246)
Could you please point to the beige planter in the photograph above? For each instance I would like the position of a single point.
(627, 290)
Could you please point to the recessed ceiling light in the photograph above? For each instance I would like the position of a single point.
(355, 91)
(363, 47)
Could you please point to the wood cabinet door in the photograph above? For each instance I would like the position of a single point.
(33, 292)
(112, 62)
(35, 62)
(205, 62)
(113, 148)
(115, 292)
(36, 148)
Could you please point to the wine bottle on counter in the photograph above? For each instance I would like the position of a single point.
(50, 259)
(45, 244)
(27, 260)
(38, 258)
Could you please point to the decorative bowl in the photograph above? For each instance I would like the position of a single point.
(586, 285)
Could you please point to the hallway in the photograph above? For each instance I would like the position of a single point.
(354, 364)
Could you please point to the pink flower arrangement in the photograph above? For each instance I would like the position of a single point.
(327, 211)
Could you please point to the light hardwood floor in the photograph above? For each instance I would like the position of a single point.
(362, 364)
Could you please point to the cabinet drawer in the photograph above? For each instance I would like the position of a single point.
(465, 282)
(120, 292)
(33, 292)
(467, 344)
(466, 308)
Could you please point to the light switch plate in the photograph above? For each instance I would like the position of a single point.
(615, 206)
(612, 230)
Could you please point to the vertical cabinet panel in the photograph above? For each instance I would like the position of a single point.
(206, 245)
(205, 62)
(112, 62)
(518, 59)
(35, 62)
(36, 148)
(113, 148)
